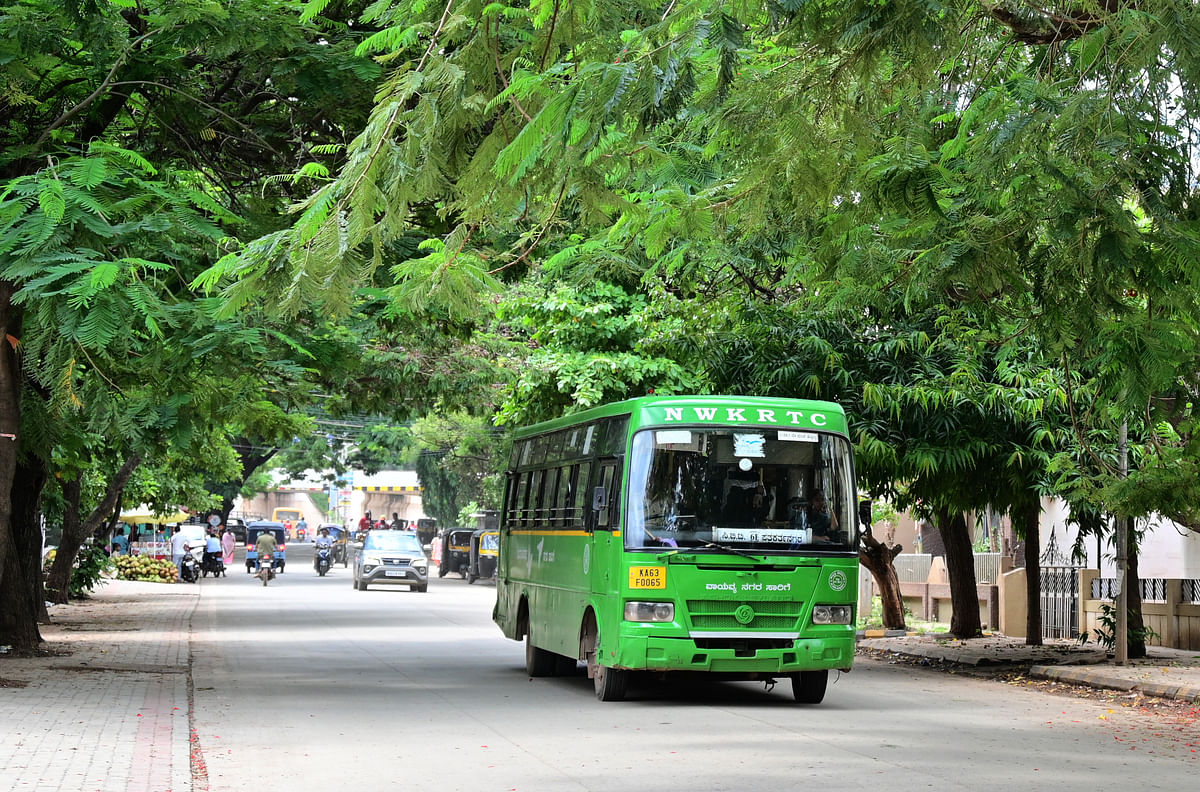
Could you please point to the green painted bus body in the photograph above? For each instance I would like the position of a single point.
(560, 566)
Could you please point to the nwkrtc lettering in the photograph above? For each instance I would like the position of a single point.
(738, 415)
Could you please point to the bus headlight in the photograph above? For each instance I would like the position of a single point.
(832, 614)
(649, 611)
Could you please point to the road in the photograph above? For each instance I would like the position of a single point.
(308, 684)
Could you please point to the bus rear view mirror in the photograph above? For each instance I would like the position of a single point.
(864, 514)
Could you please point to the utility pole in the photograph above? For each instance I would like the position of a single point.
(1122, 528)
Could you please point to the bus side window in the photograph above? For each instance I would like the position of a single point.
(579, 504)
(548, 516)
(518, 505)
(562, 501)
(533, 508)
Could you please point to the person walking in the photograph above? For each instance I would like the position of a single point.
(179, 548)
(228, 543)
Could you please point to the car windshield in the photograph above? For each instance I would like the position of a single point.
(392, 540)
(752, 489)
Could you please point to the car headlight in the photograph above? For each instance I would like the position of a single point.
(419, 565)
(649, 611)
(833, 614)
(372, 559)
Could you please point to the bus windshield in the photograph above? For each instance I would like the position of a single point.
(753, 489)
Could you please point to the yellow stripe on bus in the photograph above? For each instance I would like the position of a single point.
(616, 534)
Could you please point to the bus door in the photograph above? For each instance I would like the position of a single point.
(605, 523)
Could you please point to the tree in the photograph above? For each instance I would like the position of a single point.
(460, 459)
(947, 420)
(130, 133)
(994, 159)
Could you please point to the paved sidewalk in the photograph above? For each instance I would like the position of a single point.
(108, 710)
(1166, 673)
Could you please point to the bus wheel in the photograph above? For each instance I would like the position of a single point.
(808, 687)
(538, 662)
(610, 683)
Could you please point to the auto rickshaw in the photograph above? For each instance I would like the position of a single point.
(456, 552)
(253, 530)
(485, 553)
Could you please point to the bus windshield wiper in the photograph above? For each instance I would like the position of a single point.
(733, 550)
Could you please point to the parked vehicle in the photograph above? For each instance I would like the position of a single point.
(253, 531)
(456, 552)
(189, 570)
(426, 530)
(485, 552)
(391, 557)
(238, 526)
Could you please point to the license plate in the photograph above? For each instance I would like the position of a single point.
(647, 577)
(390, 573)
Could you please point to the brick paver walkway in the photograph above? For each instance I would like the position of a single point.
(108, 710)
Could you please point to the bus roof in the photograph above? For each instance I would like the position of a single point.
(758, 411)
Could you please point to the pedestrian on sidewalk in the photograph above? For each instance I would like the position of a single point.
(227, 545)
(179, 548)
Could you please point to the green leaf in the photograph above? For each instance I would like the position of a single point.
(51, 201)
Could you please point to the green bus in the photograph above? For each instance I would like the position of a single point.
(666, 533)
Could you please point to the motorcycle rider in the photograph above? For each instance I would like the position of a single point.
(265, 546)
(212, 551)
(323, 540)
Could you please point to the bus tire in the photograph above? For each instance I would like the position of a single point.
(538, 662)
(808, 687)
(610, 683)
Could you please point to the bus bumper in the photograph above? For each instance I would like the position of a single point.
(652, 653)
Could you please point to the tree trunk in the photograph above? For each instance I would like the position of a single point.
(877, 557)
(21, 583)
(28, 484)
(58, 581)
(15, 631)
(76, 530)
(1033, 575)
(251, 462)
(960, 565)
(1133, 600)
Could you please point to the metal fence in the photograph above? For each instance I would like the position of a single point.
(914, 567)
(1152, 589)
(987, 567)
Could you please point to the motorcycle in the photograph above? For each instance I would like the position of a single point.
(189, 570)
(212, 564)
(266, 571)
(323, 560)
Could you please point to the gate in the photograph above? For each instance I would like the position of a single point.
(1060, 593)
(1060, 602)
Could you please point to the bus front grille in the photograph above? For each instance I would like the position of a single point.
(722, 615)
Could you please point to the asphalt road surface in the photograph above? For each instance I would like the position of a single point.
(308, 684)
